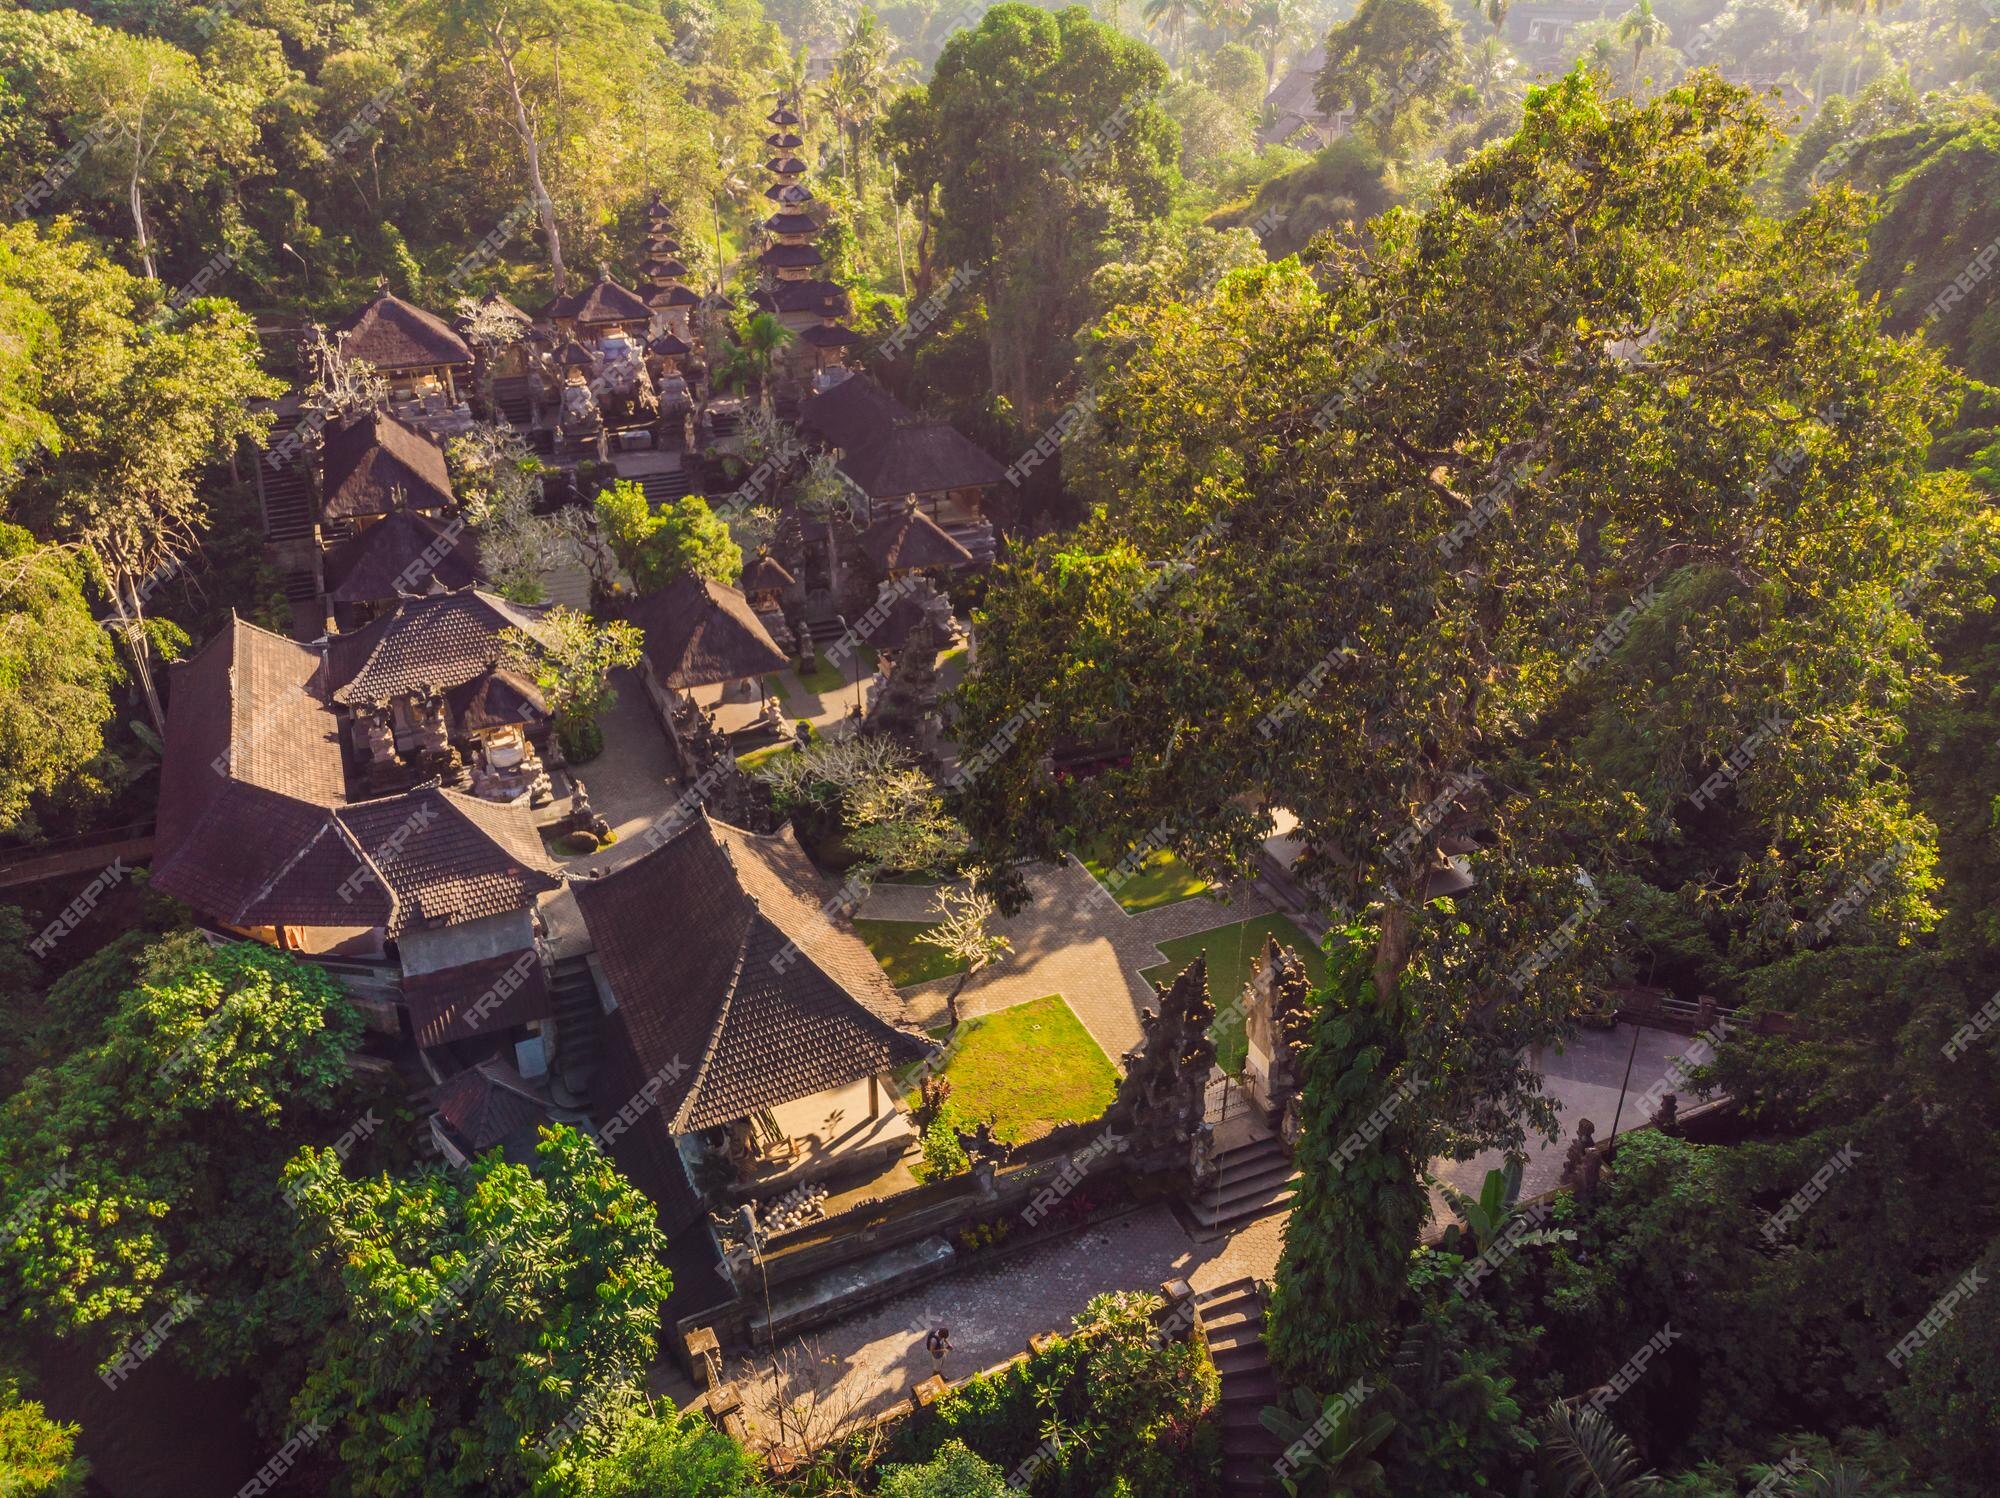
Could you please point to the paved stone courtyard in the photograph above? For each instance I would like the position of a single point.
(1074, 939)
(860, 1366)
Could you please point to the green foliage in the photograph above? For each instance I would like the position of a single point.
(1585, 1456)
(682, 537)
(37, 1455)
(213, 1054)
(1327, 1444)
(661, 1455)
(1392, 62)
(944, 1156)
(571, 657)
(1112, 1409)
(485, 1328)
(57, 670)
(954, 1472)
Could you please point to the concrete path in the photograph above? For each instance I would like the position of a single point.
(631, 784)
(1071, 938)
(860, 1366)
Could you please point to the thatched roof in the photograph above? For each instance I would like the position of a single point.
(367, 458)
(392, 335)
(909, 539)
(699, 632)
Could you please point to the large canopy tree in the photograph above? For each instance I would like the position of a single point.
(140, 400)
(487, 1330)
(144, 1165)
(1409, 492)
(1042, 140)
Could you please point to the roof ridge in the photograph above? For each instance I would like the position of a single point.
(392, 920)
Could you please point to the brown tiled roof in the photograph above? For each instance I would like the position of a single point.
(790, 221)
(369, 457)
(791, 256)
(924, 457)
(699, 632)
(253, 829)
(402, 553)
(603, 301)
(910, 538)
(446, 857)
(434, 643)
(481, 997)
(830, 335)
(391, 334)
(487, 1105)
(732, 984)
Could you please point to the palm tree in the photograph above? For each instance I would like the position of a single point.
(1583, 1453)
(1227, 16)
(1493, 72)
(732, 181)
(753, 354)
(1271, 24)
(1642, 29)
(1173, 14)
(1496, 12)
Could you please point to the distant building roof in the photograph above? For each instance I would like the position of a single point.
(404, 553)
(820, 298)
(853, 413)
(603, 301)
(393, 335)
(480, 997)
(732, 982)
(887, 449)
(790, 256)
(1294, 111)
(254, 828)
(424, 644)
(367, 458)
(699, 632)
(785, 166)
(790, 221)
(909, 539)
(764, 573)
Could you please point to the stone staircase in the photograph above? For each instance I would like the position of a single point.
(288, 507)
(664, 488)
(1254, 1174)
(515, 404)
(1231, 1318)
(578, 1012)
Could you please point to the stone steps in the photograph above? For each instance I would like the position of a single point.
(1231, 1318)
(1252, 1180)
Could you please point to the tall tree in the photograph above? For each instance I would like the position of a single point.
(1393, 62)
(1564, 388)
(143, 397)
(1044, 141)
(57, 669)
(488, 1330)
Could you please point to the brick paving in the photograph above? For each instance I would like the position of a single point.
(859, 1367)
(1074, 939)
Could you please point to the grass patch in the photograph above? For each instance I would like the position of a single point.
(903, 957)
(827, 677)
(1028, 1069)
(1160, 879)
(786, 745)
(1232, 953)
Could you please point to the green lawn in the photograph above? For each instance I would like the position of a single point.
(827, 677)
(1160, 879)
(1028, 1069)
(904, 958)
(1232, 952)
(786, 745)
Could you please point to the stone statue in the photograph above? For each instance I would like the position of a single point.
(1162, 1098)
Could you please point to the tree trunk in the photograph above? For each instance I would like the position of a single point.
(129, 626)
(532, 147)
(139, 221)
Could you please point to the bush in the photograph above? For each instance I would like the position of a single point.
(955, 1472)
(944, 1156)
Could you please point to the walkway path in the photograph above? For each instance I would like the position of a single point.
(1071, 938)
(862, 1365)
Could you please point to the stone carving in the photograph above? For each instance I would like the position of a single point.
(1162, 1097)
(1582, 1163)
(1277, 1024)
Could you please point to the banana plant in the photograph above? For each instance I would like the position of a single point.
(1585, 1456)
(1487, 1214)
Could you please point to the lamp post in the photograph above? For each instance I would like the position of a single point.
(305, 270)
